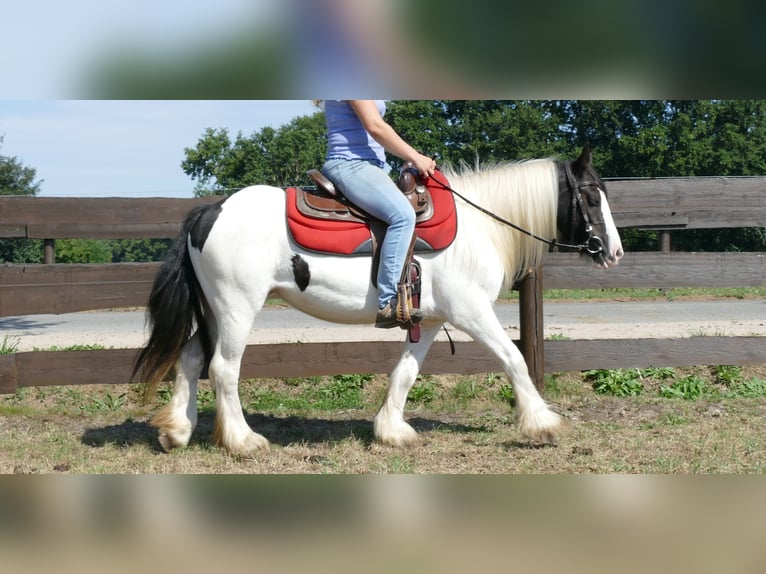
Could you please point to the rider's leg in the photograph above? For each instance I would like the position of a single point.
(369, 187)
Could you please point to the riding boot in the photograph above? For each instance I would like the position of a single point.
(388, 317)
(399, 311)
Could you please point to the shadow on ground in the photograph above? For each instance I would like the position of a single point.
(281, 431)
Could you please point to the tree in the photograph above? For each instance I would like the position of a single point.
(18, 179)
(278, 157)
(138, 250)
(477, 131)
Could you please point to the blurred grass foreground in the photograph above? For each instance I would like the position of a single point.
(383, 524)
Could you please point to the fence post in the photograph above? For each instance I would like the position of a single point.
(531, 325)
(664, 241)
(49, 251)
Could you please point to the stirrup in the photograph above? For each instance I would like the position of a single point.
(391, 316)
(406, 315)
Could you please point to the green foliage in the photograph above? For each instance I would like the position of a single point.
(323, 394)
(728, 375)
(750, 388)
(422, 391)
(278, 157)
(616, 382)
(557, 337)
(78, 347)
(9, 345)
(21, 250)
(138, 250)
(82, 251)
(110, 402)
(205, 399)
(16, 178)
(465, 389)
(689, 388)
(505, 392)
(85, 250)
(343, 391)
(658, 373)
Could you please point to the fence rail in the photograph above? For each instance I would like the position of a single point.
(662, 204)
(113, 366)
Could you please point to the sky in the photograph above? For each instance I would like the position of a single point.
(125, 148)
(45, 47)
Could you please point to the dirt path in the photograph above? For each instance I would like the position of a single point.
(573, 320)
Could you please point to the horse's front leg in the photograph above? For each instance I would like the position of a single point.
(175, 422)
(536, 420)
(389, 425)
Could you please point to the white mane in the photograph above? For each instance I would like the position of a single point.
(524, 193)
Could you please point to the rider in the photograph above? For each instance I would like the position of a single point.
(357, 139)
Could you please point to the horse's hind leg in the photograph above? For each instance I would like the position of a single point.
(389, 425)
(231, 429)
(176, 421)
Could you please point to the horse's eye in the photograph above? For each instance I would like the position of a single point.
(594, 198)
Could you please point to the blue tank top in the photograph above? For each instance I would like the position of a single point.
(346, 136)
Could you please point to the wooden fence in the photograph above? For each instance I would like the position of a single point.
(661, 204)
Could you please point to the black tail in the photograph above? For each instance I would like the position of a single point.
(174, 308)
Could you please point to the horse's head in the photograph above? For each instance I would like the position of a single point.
(584, 217)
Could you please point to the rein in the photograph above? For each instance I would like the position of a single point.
(592, 246)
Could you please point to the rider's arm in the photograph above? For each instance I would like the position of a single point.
(386, 136)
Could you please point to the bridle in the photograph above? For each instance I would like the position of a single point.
(593, 245)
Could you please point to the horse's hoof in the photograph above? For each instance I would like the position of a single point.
(165, 442)
(546, 439)
(542, 428)
(399, 435)
(248, 447)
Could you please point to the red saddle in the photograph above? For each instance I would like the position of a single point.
(349, 235)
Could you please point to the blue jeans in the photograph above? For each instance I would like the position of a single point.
(369, 187)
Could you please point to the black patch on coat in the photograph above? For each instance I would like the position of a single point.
(204, 217)
(301, 272)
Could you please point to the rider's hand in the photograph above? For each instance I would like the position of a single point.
(425, 165)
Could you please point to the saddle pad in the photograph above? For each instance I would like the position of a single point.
(353, 237)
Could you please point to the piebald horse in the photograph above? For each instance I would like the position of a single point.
(232, 255)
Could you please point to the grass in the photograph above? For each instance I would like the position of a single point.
(616, 382)
(642, 294)
(79, 347)
(9, 345)
(466, 424)
(723, 381)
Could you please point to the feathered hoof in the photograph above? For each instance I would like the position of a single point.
(169, 441)
(246, 445)
(544, 427)
(397, 433)
(173, 432)
(165, 443)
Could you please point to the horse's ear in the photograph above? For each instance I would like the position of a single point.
(583, 161)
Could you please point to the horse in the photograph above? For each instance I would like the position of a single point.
(230, 256)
